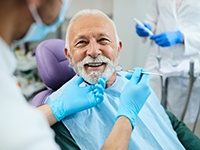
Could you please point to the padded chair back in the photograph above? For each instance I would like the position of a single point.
(53, 68)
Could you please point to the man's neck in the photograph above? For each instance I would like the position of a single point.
(111, 80)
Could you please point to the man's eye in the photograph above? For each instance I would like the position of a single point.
(81, 43)
(104, 41)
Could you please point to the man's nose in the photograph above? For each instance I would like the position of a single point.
(93, 49)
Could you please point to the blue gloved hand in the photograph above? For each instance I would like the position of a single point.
(141, 31)
(134, 95)
(168, 38)
(75, 98)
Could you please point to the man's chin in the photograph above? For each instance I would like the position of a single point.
(91, 79)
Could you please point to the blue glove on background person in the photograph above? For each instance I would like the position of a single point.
(166, 39)
(75, 98)
(141, 31)
(134, 95)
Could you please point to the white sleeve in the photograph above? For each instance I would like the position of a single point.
(191, 43)
(152, 14)
(22, 127)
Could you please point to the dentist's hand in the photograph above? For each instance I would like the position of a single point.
(141, 31)
(134, 95)
(166, 39)
(75, 98)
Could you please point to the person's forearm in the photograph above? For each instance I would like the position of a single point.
(48, 113)
(119, 137)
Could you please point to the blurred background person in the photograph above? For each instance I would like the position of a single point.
(176, 41)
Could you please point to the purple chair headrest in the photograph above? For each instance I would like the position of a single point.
(40, 98)
(52, 63)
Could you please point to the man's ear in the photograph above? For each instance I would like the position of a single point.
(119, 47)
(68, 55)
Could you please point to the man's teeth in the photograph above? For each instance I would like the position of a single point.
(94, 64)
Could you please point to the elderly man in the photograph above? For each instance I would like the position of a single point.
(93, 49)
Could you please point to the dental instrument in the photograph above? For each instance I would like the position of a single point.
(119, 68)
(163, 89)
(150, 73)
(191, 82)
(159, 58)
(142, 25)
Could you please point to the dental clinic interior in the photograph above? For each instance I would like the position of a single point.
(135, 52)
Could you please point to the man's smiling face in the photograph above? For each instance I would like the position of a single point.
(93, 47)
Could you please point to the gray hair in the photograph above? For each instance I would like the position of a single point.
(85, 12)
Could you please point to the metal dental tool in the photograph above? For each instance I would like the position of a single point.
(158, 57)
(191, 81)
(163, 89)
(119, 68)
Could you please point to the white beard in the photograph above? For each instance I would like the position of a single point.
(93, 76)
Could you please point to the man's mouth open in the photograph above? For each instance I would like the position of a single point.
(95, 66)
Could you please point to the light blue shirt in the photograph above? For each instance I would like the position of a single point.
(91, 127)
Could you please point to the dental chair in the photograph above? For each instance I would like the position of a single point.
(53, 68)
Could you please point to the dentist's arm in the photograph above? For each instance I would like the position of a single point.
(119, 136)
(74, 99)
(47, 111)
(132, 99)
(134, 95)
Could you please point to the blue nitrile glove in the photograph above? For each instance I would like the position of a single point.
(134, 95)
(168, 38)
(75, 98)
(141, 31)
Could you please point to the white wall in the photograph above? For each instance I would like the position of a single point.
(134, 51)
(104, 5)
